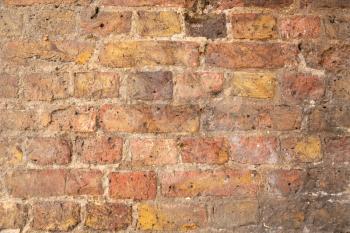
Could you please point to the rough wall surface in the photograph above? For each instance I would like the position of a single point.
(174, 116)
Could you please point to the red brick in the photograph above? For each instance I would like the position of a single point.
(337, 150)
(105, 23)
(55, 216)
(229, 116)
(99, 150)
(35, 2)
(254, 149)
(253, 26)
(302, 87)
(136, 54)
(13, 215)
(48, 151)
(39, 183)
(325, 3)
(285, 182)
(249, 55)
(151, 85)
(133, 185)
(11, 152)
(149, 118)
(20, 52)
(107, 216)
(171, 217)
(300, 27)
(204, 150)
(163, 3)
(23, 119)
(340, 86)
(199, 85)
(96, 85)
(45, 86)
(9, 86)
(77, 119)
(153, 151)
(210, 183)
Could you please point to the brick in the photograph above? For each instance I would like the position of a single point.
(304, 149)
(254, 85)
(229, 116)
(253, 26)
(340, 86)
(254, 149)
(136, 54)
(9, 86)
(232, 213)
(13, 215)
(210, 183)
(151, 85)
(45, 86)
(170, 217)
(162, 3)
(337, 27)
(23, 119)
(149, 118)
(11, 153)
(76, 119)
(297, 88)
(48, 151)
(11, 24)
(337, 150)
(51, 2)
(20, 52)
(105, 23)
(199, 85)
(285, 182)
(160, 23)
(211, 26)
(227, 4)
(55, 216)
(300, 27)
(204, 150)
(282, 213)
(51, 21)
(249, 55)
(325, 3)
(133, 185)
(96, 85)
(107, 216)
(38, 183)
(328, 56)
(99, 150)
(330, 180)
(146, 152)
(339, 117)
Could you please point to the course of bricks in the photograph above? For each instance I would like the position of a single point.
(203, 116)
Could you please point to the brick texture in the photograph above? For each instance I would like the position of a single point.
(200, 116)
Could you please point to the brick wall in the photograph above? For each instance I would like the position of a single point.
(174, 116)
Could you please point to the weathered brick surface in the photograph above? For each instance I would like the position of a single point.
(107, 216)
(201, 116)
(46, 151)
(160, 23)
(55, 216)
(254, 26)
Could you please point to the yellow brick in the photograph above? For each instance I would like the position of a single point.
(165, 217)
(255, 85)
(158, 23)
(309, 149)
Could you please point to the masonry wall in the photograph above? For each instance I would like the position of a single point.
(174, 116)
